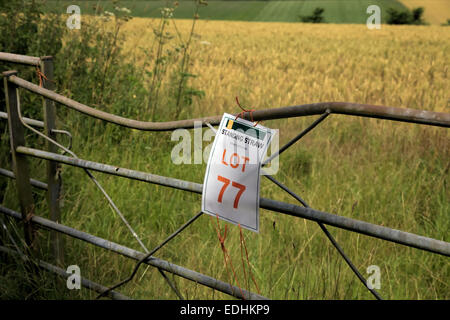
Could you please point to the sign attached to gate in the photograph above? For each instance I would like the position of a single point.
(231, 184)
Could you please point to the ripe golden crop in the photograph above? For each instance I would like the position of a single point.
(280, 64)
(436, 11)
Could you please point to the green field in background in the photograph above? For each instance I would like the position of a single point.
(346, 11)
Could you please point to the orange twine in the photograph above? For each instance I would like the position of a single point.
(242, 242)
(226, 256)
(242, 113)
(41, 76)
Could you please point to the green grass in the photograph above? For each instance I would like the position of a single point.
(346, 11)
(371, 170)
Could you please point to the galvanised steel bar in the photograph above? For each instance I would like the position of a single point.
(303, 202)
(51, 140)
(35, 183)
(61, 272)
(40, 124)
(297, 137)
(170, 283)
(20, 59)
(114, 170)
(31, 122)
(364, 110)
(149, 254)
(329, 236)
(137, 255)
(64, 132)
(369, 229)
(381, 232)
(287, 190)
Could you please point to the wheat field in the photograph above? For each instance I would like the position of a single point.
(280, 64)
(436, 11)
(382, 172)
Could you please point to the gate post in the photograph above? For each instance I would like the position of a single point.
(20, 164)
(53, 168)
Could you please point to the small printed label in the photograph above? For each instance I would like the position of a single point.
(231, 184)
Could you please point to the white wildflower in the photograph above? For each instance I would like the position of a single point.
(167, 12)
(126, 10)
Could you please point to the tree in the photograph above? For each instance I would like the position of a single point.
(417, 14)
(406, 17)
(316, 17)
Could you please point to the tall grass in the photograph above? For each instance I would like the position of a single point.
(382, 172)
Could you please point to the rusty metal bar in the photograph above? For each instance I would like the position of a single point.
(31, 122)
(20, 59)
(35, 183)
(369, 229)
(61, 272)
(363, 110)
(137, 255)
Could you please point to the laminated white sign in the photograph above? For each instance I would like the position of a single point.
(231, 184)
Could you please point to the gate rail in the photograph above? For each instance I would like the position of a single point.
(354, 109)
(20, 153)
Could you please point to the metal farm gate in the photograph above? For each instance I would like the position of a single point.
(24, 183)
